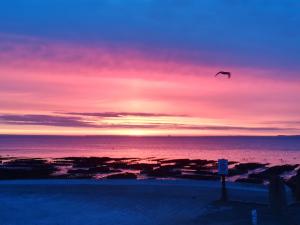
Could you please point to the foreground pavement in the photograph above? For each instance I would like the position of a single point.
(122, 202)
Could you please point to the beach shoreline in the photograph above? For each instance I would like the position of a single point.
(107, 168)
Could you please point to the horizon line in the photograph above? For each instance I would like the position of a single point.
(116, 135)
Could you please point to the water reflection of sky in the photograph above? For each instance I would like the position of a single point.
(263, 149)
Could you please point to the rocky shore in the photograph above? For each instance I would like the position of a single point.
(137, 168)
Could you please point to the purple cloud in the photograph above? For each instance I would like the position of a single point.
(43, 120)
(78, 121)
(122, 114)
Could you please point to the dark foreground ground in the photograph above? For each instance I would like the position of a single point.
(237, 213)
(133, 202)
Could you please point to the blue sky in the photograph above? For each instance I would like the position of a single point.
(247, 33)
(151, 63)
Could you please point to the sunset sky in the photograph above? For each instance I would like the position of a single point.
(146, 67)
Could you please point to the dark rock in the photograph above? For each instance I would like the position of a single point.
(147, 171)
(142, 166)
(201, 167)
(243, 168)
(202, 162)
(7, 158)
(102, 169)
(72, 176)
(178, 162)
(122, 176)
(86, 162)
(62, 163)
(232, 162)
(164, 171)
(26, 173)
(249, 166)
(26, 169)
(118, 165)
(93, 170)
(125, 159)
(132, 166)
(273, 171)
(25, 163)
(78, 171)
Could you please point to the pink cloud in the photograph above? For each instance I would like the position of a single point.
(42, 76)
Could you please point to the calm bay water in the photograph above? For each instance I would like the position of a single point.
(281, 149)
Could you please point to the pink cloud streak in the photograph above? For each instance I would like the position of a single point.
(41, 76)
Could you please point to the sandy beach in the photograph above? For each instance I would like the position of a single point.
(93, 202)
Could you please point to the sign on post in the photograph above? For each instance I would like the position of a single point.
(223, 171)
(223, 167)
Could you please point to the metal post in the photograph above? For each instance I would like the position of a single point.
(224, 190)
(223, 171)
(254, 217)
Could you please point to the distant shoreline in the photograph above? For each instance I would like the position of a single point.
(145, 136)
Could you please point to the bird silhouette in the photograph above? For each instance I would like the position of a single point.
(224, 73)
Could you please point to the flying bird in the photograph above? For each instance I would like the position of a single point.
(224, 73)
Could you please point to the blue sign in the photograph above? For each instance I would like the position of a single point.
(223, 166)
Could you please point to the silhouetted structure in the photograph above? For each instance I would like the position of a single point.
(297, 188)
(277, 195)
